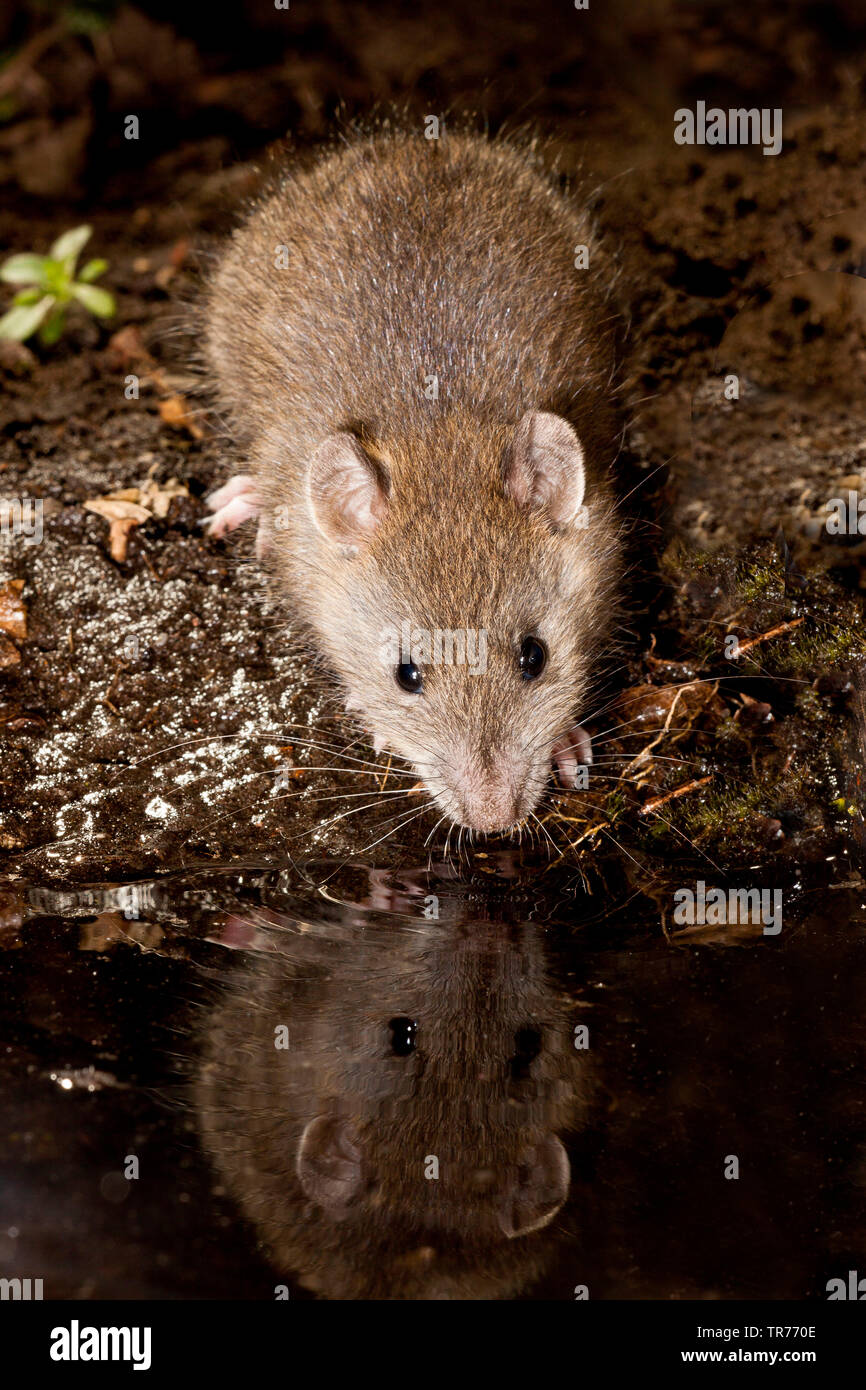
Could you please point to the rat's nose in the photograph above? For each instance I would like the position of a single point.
(489, 804)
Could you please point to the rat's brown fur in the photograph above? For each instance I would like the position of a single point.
(409, 258)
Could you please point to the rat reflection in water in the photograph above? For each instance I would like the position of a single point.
(406, 1143)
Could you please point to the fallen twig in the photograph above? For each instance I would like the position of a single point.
(657, 801)
(773, 632)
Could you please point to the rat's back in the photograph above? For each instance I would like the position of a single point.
(401, 279)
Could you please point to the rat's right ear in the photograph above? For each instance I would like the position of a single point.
(541, 1187)
(346, 491)
(330, 1164)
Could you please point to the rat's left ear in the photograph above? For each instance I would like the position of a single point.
(544, 466)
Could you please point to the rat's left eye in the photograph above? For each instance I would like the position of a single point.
(533, 658)
(409, 677)
(403, 1032)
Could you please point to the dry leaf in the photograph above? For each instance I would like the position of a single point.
(109, 928)
(130, 506)
(157, 496)
(125, 494)
(118, 537)
(122, 514)
(9, 653)
(13, 614)
(179, 252)
(115, 508)
(127, 347)
(175, 412)
(723, 934)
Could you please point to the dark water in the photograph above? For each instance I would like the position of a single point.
(431, 1124)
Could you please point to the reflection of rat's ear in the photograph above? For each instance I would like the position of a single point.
(346, 491)
(544, 466)
(539, 1191)
(330, 1164)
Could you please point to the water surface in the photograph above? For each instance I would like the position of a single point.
(354, 1084)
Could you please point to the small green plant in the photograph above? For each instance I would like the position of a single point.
(50, 286)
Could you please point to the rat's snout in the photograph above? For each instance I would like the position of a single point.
(485, 783)
(496, 810)
(488, 800)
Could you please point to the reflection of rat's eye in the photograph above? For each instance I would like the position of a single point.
(527, 1044)
(409, 677)
(533, 658)
(403, 1032)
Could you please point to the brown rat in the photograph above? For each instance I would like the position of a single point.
(421, 375)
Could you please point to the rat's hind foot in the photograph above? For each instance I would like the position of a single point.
(233, 504)
(572, 751)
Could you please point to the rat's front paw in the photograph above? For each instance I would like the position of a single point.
(569, 753)
(233, 504)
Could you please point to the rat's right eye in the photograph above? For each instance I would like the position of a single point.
(409, 677)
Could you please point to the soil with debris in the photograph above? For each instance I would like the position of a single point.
(156, 709)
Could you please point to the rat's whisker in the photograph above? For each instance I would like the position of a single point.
(413, 815)
(689, 842)
(261, 737)
(433, 831)
(547, 835)
(353, 811)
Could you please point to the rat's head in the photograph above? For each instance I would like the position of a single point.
(465, 582)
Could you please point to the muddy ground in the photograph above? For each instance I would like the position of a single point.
(156, 709)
